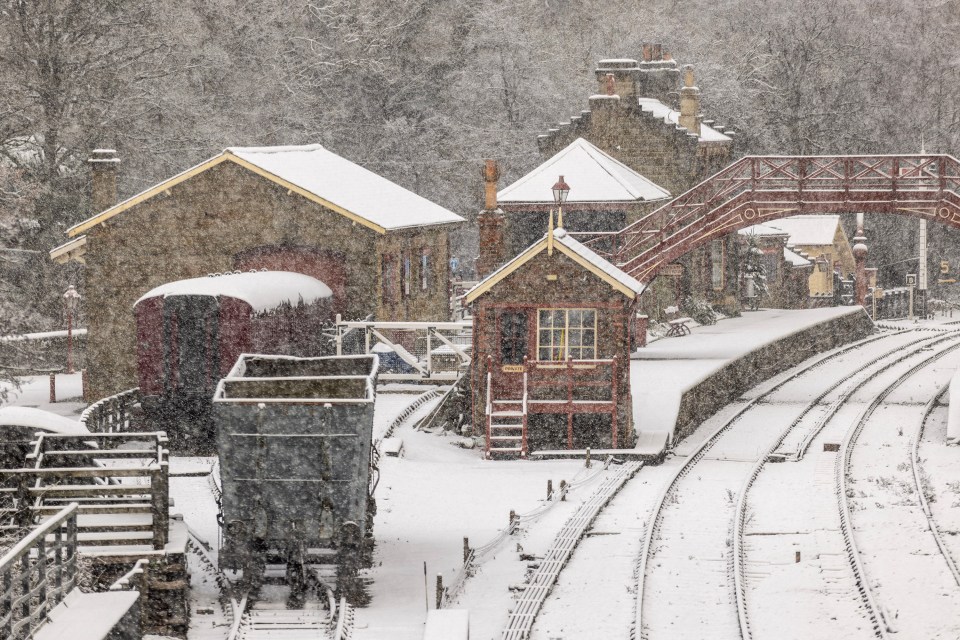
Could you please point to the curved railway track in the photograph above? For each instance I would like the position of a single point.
(670, 493)
(841, 490)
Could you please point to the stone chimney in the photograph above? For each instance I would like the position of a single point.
(103, 173)
(491, 222)
(623, 72)
(690, 116)
(657, 75)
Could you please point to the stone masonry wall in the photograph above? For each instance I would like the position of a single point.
(198, 227)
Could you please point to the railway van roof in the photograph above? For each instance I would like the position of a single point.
(262, 290)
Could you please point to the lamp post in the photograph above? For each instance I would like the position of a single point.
(560, 192)
(71, 300)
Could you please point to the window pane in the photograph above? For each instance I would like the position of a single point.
(575, 317)
(546, 318)
(589, 318)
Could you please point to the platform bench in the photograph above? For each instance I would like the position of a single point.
(679, 327)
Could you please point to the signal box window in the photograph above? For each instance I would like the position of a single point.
(563, 333)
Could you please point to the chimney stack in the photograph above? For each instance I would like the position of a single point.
(491, 222)
(103, 173)
(690, 116)
(623, 72)
(657, 76)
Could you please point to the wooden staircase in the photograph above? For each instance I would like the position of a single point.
(506, 424)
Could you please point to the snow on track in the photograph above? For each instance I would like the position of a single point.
(801, 561)
(685, 581)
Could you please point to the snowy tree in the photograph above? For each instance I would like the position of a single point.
(753, 275)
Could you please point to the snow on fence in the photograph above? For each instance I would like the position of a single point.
(38, 573)
(473, 556)
(111, 415)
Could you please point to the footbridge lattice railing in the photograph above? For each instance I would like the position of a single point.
(757, 189)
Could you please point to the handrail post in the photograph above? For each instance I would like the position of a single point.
(488, 416)
(523, 418)
(160, 503)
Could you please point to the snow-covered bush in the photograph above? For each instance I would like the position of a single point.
(700, 310)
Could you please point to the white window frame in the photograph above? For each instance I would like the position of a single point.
(562, 347)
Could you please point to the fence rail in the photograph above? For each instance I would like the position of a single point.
(37, 573)
(113, 414)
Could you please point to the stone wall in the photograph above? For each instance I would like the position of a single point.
(729, 383)
(201, 226)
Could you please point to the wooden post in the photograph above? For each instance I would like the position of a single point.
(588, 458)
(53, 388)
(796, 556)
(466, 549)
(513, 515)
(563, 490)
(160, 504)
(549, 488)
(439, 591)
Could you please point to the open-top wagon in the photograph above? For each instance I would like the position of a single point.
(295, 442)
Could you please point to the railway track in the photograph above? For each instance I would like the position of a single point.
(841, 492)
(719, 489)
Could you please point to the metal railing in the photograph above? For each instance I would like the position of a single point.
(37, 573)
(762, 188)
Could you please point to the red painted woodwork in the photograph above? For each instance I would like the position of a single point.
(757, 189)
(328, 267)
(149, 318)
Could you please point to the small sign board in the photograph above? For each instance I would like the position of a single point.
(911, 279)
(512, 368)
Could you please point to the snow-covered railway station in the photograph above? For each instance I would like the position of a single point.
(662, 384)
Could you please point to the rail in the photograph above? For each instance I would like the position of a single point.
(475, 555)
(653, 525)
(37, 573)
(921, 489)
(113, 414)
(740, 514)
(842, 467)
(345, 621)
(525, 610)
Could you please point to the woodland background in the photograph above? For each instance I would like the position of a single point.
(421, 91)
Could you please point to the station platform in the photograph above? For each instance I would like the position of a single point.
(723, 360)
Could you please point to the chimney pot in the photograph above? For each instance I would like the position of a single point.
(610, 84)
(647, 52)
(657, 51)
(491, 173)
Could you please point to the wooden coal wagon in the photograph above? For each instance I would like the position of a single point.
(294, 436)
(190, 332)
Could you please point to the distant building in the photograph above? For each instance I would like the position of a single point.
(821, 238)
(646, 118)
(786, 271)
(551, 343)
(382, 250)
(816, 239)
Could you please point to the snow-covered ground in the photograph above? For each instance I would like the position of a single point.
(34, 392)
(437, 493)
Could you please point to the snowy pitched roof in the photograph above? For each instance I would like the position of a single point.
(668, 115)
(262, 290)
(573, 249)
(813, 230)
(762, 230)
(318, 175)
(593, 175)
(795, 258)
